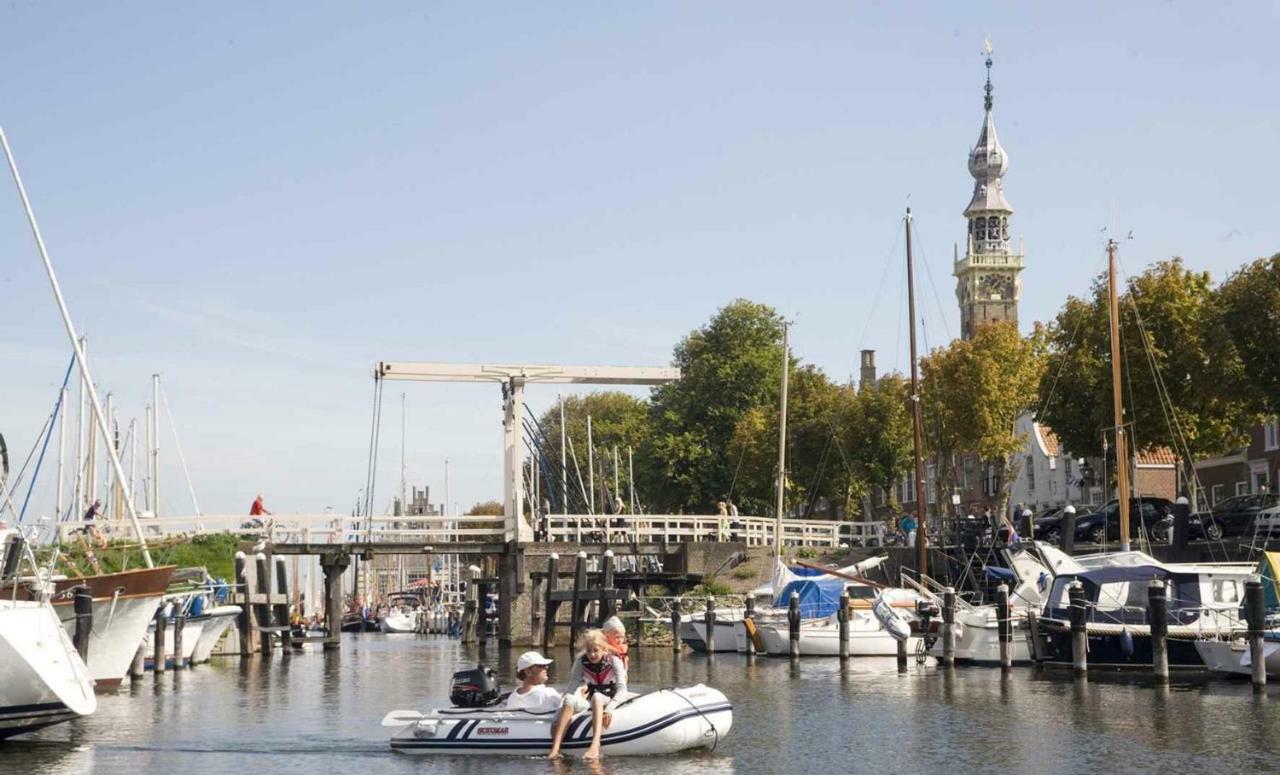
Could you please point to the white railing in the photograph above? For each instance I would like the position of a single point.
(687, 528)
(305, 528)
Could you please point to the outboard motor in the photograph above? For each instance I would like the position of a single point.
(926, 611)
(11, 558)
(474, 688)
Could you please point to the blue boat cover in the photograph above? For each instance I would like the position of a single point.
(819, 597)
(803, 572)
(1001, 574)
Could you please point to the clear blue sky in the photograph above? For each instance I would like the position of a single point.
(261, 200)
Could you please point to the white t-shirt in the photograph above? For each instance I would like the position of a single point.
(539, 699)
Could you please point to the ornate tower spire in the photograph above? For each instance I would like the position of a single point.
(988, 286)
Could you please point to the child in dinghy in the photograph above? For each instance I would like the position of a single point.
(616, 633)
(597, 680)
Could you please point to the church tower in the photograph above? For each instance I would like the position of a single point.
(987, 277)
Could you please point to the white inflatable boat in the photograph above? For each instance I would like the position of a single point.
(659, 722)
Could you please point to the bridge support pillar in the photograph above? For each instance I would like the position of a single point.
(514, 601)
(333, 566)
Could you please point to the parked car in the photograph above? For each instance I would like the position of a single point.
(1047, 525)
(1235, 515)
(1144, 511)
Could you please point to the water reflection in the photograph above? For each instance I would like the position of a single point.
(318, 711)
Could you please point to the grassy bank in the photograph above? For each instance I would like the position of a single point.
(214, 552)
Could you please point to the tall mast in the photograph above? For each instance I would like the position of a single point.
(155, 442)
(404, 506)
(62, 451)
(591, 469)
(1117, 402)
(922, 554)
(782, 445)
(86, 380)
(564, 463)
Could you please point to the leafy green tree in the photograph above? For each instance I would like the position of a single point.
(1184, 384)
(981, 386)
(1249, 303)
(729, 367)
(877, 434)
(486, 509)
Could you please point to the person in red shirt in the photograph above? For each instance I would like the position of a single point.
(258, 509)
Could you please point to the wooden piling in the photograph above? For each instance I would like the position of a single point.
(1079, 629)
(333, 568)
(244, 620)
(578, 604)
(1158, 619)
(902, 656)
(750, 616)
(282, 608)
(842, 618)
(793, 625)
(607, 602)
(675, 626)
(157, 645)
(83, 602)
(1004, 626)
(179, 624)
(1067, 530)
(949, 627)
(549, 606)
(263, 611)
(709, 621)
(1255, 609)
(482, 615)
(469, 608)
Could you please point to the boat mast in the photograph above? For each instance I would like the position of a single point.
(782, 445)
(86, 380)
(1117, 401)
(922, 554)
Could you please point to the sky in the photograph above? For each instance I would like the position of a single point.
(259, 201)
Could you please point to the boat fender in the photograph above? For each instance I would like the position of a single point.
(1126, 642)
(754, 634)
(426, 728)
(890, 620)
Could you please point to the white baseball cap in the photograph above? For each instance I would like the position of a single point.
(531, 658)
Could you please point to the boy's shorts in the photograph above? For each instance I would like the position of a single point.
(577, 702)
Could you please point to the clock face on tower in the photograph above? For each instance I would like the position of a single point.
(995, 287)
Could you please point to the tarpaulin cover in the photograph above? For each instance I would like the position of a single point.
(819, 597)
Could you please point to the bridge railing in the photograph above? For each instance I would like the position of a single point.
(308, 528)
(687, 528)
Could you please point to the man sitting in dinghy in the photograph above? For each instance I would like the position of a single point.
(596, 682)
(533, 695)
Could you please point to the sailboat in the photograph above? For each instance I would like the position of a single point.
(43, 681)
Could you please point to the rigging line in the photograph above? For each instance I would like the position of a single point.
(818, 476)
(373, 465)
(17, 480)
(368, 466)
(884, 275)
(897, 345)
(53, 419)
(937, 300)
(1061, 366)
(168, 412)
(734, 483)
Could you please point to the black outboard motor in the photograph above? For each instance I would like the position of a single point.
(474, 688)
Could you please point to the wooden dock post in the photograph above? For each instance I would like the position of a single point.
(549, 606)
(675, 626)
(179, 624)
(578, 604)
(949, 627)
(1158, 619)
(244, 620)
(157, 645)
(793, 625)
(263, 610)
(469, 608)
(1255, 608)
(1004, 626)
(709, 620)
(482, 615)
(902, 656)
(750, 616)
(842, 617)
(84, 620)
(608, 605)
(282, 608)
(333, 566)
(1079, 629)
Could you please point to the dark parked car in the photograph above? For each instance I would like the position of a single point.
(1104, 524)
(1048, 525)
(1234, 516)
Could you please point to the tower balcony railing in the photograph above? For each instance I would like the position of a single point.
(990, 260)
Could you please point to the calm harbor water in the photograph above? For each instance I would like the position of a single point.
(317, 713)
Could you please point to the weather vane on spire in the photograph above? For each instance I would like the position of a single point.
(987, 50)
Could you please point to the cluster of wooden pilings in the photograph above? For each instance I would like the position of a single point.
(592, 599)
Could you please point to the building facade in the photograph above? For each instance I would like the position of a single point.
(1252, 469)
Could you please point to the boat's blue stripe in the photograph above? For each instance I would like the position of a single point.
(27, 710)
(541, 744)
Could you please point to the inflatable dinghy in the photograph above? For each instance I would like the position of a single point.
(659, 722)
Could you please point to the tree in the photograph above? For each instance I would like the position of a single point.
(980, 386)
(486, 509)
(1249, 303)
(1183, 381)
(728, 367)
(617, 420)
(877, 434)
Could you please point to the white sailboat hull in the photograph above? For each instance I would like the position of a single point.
(43, 681)
(693, 631)
(191, 632)
(1233, 656)
(119, 627)
(399, 622)
(821, 638)
(978, 638)
(220, 620)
